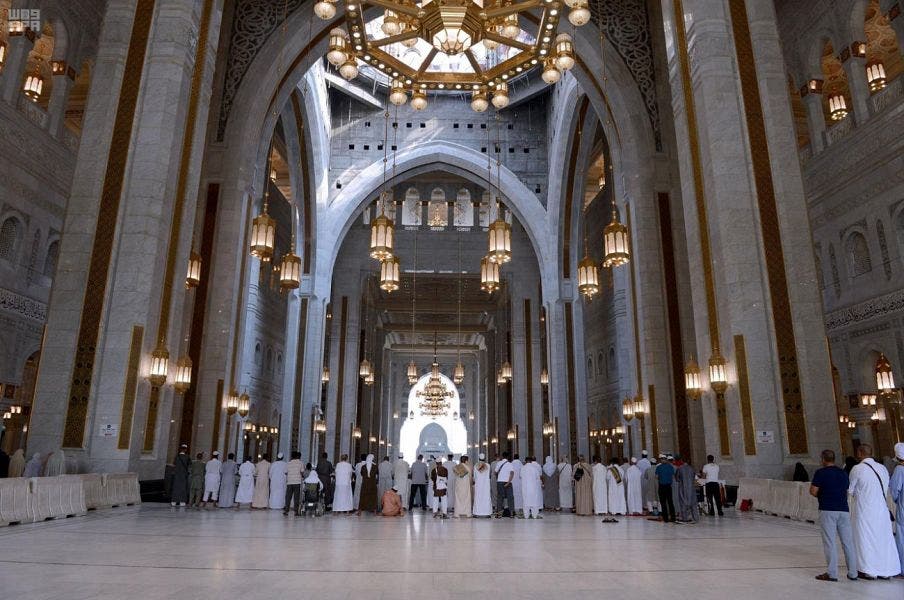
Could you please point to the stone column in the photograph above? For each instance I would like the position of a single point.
(59, 98)
(744, 203)
(13, 74)
(855, 70)
(816, 121)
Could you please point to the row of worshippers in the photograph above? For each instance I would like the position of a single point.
(47, 465)
(854, 508)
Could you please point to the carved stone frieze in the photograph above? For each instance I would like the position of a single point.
(882, 306)
(22, 306)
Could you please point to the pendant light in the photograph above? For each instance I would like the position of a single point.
(692, 386)
(501, 95)
(615, 242)
(182, 379)
(418, 99)
(338, 49)
(588, 275)
(349, 68)
(717, 379)
(193, 275)
(382, 232)
(458, 373)
(263, 229)
(837, 107)
(159, 365)
(325, 9)
(244, 404)
(564, 52)
(479, 102)
(544, 376)
(489, 275)
(34, 83)
(500, 232)
(875, 76)
(579, 14)
(290, 268)
(325, 375)
(389, 274)
(397, 95)
(412, 366)
(2, 54)
(885, 378)
(551, 73)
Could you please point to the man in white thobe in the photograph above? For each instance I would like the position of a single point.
(212, 479)
(644, 463)
(400, 478)
(358, 481)
(633, 481)
(343, 500)
(531, 489)
(278, 474)
(450, 492)
(600, 499)
(517, 465)
(615, 484)
(566, 484)
(873, 537)
(483, 482)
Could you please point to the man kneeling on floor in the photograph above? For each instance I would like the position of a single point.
(392, 503)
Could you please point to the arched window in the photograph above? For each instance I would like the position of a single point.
(411, 212)
(257, 354)
(600, 364)
(279, 363)
(50, 261)
(610, 366)
(269, 360)
(438, 213)
(464, 209)
(858, 254)
(35, 248)
(9, 239)
(590, 367)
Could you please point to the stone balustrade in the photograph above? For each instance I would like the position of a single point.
(40, 498)
(790, 499)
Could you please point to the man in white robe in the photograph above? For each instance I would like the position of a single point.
(600, 498)
(633, 480)
(400, 478)
(461, 474)
(615, 484)
(483, 482)
(644, 463)
(494, 468)
(531, 489)
(261, 496)
(517, 465)
(384, 478)
(212, 479)
(449, 463)
(245, 492)
(566, 484)
(278, 472)
(873, 537)
(343, 500)
(651, 489)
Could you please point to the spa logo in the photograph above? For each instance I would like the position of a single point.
(20, 19)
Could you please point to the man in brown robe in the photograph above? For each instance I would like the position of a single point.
(367, 475)
(583, 487)
(440, 479)
(392, 503)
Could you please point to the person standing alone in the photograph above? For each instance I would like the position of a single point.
(830, 486)
(711, 486)
(665, 474)
(294, 470)
(418, 483)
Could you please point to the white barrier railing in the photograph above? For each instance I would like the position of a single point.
(39, 498)
(790, 499)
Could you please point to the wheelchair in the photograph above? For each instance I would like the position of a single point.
(313, 500)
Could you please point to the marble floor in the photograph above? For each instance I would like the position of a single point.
(155, 552)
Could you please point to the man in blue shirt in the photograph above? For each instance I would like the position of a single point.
(665, 474)
(830, 487)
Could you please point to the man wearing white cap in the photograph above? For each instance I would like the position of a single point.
(896, 488)
(278, 473)
(483, 500)
(212, 479)
(400, 478)
(633, 479)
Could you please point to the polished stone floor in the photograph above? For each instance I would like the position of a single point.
(156, 552)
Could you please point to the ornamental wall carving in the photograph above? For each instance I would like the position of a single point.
(22, 306)
(882, 306)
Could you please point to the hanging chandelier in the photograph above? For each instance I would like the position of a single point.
(544, 376)
(182, 379)
(489, 275)
(34, 84)
(506, 370)
(382, 232)
(412, 373)
(628, 409)
(263, 229)
(389, 274)
(365, 368)
(500, 238)
(290, 267)
(588, 277)
(458, 374)
(370, 378)
(325, 375)
(244, 404)
(159, 365)
(414, 41)
(193, 276)
(615, 242)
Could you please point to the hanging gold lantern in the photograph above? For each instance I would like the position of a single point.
(510, 27)
(325, 9)
(875, 75)
(397, 95)
(551, 73)
(564, 52)
(338, 50)
(356, 433)
(588, 277)
(412, 373)
(500, 380)
(579, 14)
(837, 107)
(320, 426)
(640, 406)
(325, 375)
(628, 409)
(717, 379)
(867, 400)
(231, 402)
(382, 235)
(458, 373)
(489, 275)
(244, 405)
(370, 379)
(193, 276)
(419, 99)
(479, 101)
(182, 379)
(885, 378)
(544, 376)
(615, 242)
(389, 274)
(500, 238)
(391, 25)
(692, 379)
(290, 271)
(365, 368)
(263, 231)
(159, 365)
(501, 95)
(349, 69)
(506, 370)
(34, 84)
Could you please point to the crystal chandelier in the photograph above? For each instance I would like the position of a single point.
(451, 28)
(435, 395)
